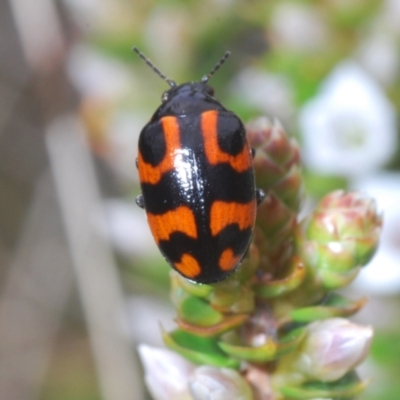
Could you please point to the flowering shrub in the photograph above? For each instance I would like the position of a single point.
(275, 329)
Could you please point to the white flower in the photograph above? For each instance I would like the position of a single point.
(271, 93)
(298, 26)
(382, 275)
(350, 128)
(169, 376)
(211, 383)
(332, 348)
(166, 373)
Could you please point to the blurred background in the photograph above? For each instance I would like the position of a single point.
(82, 282)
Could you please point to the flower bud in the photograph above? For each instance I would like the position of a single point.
(211, 383)
(333, 348)
(340, 237)
(166, 373)
(277, 169)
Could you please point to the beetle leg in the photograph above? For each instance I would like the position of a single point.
(260, 195)
(140, 201)
(253, 152)
(137, 162)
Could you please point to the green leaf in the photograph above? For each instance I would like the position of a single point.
(192, 288)
(198, 312)
(271, 350)
(345, 388)
(334, 280)
(227, 324)
(268, 290)
(199, 350)
(333, 305)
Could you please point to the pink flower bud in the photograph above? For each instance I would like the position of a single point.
(340, 237)
(166, 373)
(211, 383)
(332, 348)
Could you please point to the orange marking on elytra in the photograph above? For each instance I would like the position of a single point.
(240, 162)
(152, 174)
(227, 260)
(225, 213)
(188, 266)
(179, 220)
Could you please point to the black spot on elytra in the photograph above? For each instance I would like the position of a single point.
(231, 134)
(152, 144)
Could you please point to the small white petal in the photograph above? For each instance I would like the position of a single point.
(350, 128)
(333, 348)
(166, 373)
(211, 383)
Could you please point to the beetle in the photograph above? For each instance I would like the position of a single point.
(197, 180)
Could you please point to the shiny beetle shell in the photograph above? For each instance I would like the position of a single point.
(197, 180)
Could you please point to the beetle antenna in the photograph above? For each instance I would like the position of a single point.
(153, 67)
(217, 66)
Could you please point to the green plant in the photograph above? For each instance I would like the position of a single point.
(275, 329)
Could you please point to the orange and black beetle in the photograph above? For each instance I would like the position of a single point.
(197, 180)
